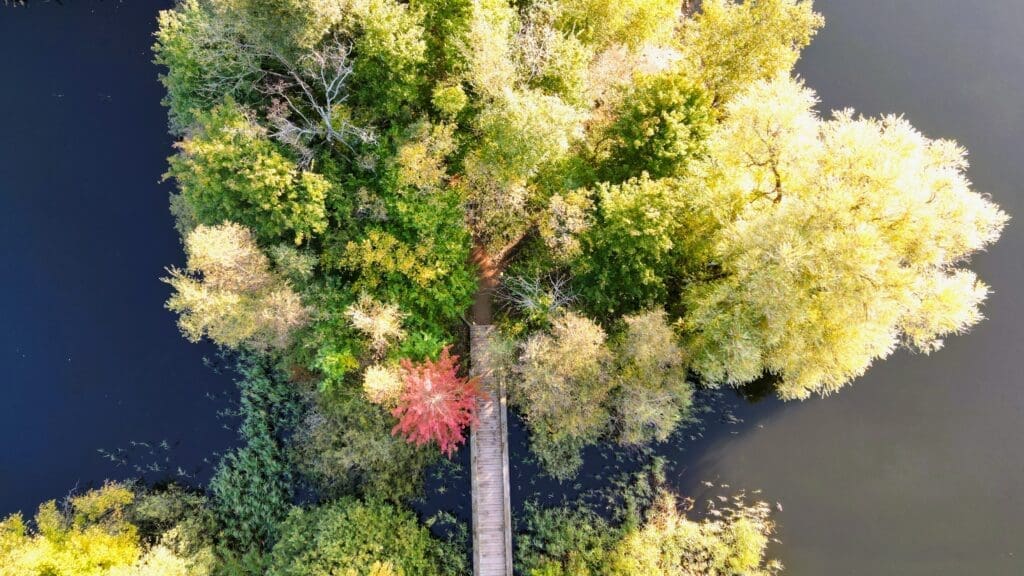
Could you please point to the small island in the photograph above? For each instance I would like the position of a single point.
(406, 222)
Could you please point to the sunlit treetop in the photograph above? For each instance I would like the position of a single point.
(835, 242)
(592, 163)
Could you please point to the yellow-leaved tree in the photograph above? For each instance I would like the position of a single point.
(832, 243)
(229, 293)
(92, 536)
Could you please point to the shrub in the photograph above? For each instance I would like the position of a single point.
(564, 382)
(629, 255)
(652, 395)
(228, 293)
(227, 169)
(352, 537)
(344, 445)
(662, 125)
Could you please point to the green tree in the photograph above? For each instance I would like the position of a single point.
(630, 22)
(661, 126)
(204, 60)
(630, 253)
(227, 169)
(390, 56)
(285, 28)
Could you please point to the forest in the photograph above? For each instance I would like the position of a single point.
(640, 197)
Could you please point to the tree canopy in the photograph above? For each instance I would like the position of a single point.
(642, 199)
(835, 241)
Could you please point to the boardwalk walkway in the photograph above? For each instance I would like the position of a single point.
(492, 530)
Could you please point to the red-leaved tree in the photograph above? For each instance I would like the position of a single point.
(436, 404)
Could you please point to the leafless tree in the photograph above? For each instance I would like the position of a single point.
(308, 101)
(532, 296)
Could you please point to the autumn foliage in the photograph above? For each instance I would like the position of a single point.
(436, 404)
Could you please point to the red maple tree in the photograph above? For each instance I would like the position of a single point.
(436, 403)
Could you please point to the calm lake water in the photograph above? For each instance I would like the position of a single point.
(88, 357)
(917, 469)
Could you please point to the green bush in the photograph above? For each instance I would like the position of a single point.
(389, 52)
(662, 125)
(205, 61)
(563, 542)
(629, 255)
(345, 446)
(352, 537)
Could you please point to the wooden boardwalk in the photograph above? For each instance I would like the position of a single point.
(492, 517)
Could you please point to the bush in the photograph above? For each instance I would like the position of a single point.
(564, 383)
(229, 294)
(563, 542)
(353, 537)
(629, 257)
(652, 395)
(647, 534)
(93, 536)
(345, 446)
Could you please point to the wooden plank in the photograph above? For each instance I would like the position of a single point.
(492, 525)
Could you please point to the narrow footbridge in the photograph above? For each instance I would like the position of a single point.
(492, 516)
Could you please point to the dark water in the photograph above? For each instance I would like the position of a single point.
(917, 469)
(88, 357)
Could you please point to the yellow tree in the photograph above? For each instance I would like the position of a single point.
(730, 44)
(92, 536)
(832, 243)
(229, 293)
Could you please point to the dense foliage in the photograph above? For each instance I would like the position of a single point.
(95, 534)
(253, 487)
(648, 533)
(575, 386)
(834, 243)
(229, 170)
(647, 192)
(229, 293)
(649, 188)
(352, 537)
